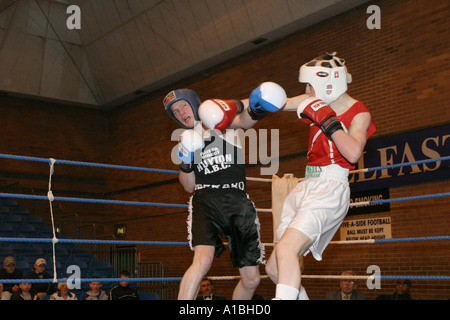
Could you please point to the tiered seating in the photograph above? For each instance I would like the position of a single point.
(16, 222)
(103, 269)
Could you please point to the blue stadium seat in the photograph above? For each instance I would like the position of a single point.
(85, 257)
(32, 249)
(45, 234)
(103, 269)
(8, 202)
(101, 265)
(34, 220)
(27, 230)
(44, 246)
(15, 247)
(43, 227)
(66, 246)
(19, 223)
(61, 258)
(83, 265)
(60, 251)
(14, 221)
(60, 269)
(149, 296)
(24, 265)
(6, 230)
(80, 251)
(20, 212)
(104, 273)
(5, 252)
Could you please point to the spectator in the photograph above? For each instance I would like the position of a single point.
(96, 292)
(38, 272)
(347, 290)
(8, 272)
(25, 292)
(206, 291)
(63, 293)
(402, 288)
(123, 291)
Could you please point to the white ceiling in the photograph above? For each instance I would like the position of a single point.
(125, 46)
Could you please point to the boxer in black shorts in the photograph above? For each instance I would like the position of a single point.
(231, 215)
(213, 166)
(222, 207)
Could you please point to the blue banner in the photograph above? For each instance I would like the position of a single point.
(367, 196)
(430, 143)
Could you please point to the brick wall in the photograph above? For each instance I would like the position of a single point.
(44, 130)
(399, 72)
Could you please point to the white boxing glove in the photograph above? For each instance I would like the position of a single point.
(190, 141)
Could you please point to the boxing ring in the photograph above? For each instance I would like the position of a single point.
(55, 240)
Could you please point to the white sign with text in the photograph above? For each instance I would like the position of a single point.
(365, 229)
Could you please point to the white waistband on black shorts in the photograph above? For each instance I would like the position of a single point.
(236, 185)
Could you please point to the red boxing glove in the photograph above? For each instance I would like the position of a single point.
(321, 113)
(306, 120)
(218, 114)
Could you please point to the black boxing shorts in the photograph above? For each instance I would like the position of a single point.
(226, 213)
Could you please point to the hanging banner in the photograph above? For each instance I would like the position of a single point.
(367, 196)
(431, 143)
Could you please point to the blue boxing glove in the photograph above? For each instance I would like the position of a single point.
(268, 97)
(190, 141)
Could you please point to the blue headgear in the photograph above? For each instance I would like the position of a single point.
(182, 94)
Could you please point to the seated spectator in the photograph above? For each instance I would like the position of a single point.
(347, 290)
(207, 291)
(402, 288)
(25, 292)
(63, 293)
(123, 291)
(38, 272)
(9, 272)
(96, 293)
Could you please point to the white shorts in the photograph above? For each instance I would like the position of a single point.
(317, 206)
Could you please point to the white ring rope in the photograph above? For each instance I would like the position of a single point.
(50, 199)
